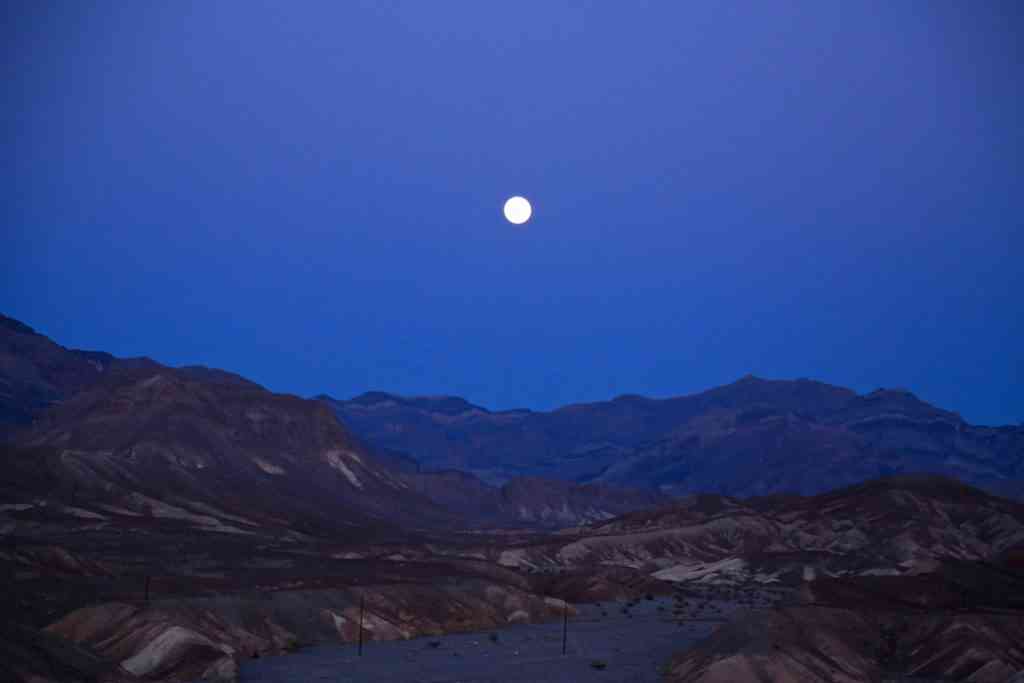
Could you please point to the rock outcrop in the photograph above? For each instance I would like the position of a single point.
(964, 622)
(901, 525)
(206, 638)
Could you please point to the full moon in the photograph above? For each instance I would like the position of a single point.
(518, 210)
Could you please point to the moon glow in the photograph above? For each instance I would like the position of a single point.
(518, 210)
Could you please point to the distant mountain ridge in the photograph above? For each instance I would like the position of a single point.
(530, 501)
(751, 437)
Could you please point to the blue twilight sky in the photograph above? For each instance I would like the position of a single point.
(310, 193)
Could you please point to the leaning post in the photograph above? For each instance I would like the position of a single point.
(362, 605)
(565, 623)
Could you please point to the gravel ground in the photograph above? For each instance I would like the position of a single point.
(633, 647)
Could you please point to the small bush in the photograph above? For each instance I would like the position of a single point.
(649, 596)
(434, 644)
(493, 637)
(599, 664)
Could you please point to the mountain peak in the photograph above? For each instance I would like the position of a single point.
(368, 398)
(445, 405)
(16, 326)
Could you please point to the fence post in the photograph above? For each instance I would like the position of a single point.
(565, 623)
(362, 605)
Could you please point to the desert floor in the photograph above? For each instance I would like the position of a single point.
(633, 647)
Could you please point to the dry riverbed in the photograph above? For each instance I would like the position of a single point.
(611, 642)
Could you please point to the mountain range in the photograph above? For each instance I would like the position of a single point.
(749, 438)
(752, 437)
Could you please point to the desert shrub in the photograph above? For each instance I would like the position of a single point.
(599, 664)
(493, 637)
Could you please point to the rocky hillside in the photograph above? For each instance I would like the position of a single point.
(199, 445)
(204, 638)
(36, 373)
(964, 622)
(529, 501)
(896, 526)
(752, 437)
(205, 608)
(204, 448)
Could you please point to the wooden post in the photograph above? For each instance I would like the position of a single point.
(565, 623)
(362, 605)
